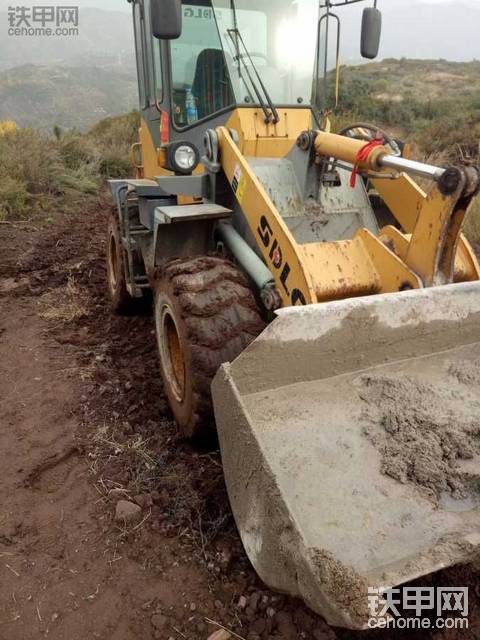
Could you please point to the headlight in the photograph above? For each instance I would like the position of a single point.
(186, 158)
(183, 157)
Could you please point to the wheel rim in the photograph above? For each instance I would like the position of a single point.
(112, 263)
(171, 353)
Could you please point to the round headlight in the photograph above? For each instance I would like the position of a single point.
(186, 158)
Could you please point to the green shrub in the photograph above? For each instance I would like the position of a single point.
(79, 151)
(33, 158)
(118, 132)
(115, 165)
(13, 197)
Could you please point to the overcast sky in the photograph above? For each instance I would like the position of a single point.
(123, 5)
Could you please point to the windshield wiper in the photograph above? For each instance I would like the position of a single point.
(268, 108)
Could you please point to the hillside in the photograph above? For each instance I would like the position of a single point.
(70, 97)
(407, 93)
(434, 103)
(423, 80)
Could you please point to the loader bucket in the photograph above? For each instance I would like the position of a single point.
(350, 441)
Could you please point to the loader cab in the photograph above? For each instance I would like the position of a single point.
(212, 66)
(201, 60)
(197, 58)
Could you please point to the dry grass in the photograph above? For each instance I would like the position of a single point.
(44, 175)
(66, 304)
(191, 491)
(107, 447)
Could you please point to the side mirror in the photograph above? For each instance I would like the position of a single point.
(371, 32)
(166, 16)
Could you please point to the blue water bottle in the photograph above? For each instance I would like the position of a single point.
(191, 107)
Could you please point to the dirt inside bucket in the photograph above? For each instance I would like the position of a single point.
(430, 432)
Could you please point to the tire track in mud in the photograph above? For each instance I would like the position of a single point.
(184, 562)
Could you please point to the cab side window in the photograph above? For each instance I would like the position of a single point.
(142, 69)
(148, 55)
(201, 81)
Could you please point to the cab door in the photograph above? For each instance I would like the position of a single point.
(150, 54)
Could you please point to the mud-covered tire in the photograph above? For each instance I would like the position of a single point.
(205, 315)
(121, 301)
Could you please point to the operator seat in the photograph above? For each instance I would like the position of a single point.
(211, 84)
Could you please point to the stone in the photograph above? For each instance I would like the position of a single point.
(226, 558)
(285, 625)
(254, 600)
(221, 634)
(117, 493)
(127, 512)
(159, 621)
(324, 633)
(156, 497)
(258, 626)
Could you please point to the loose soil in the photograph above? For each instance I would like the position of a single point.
(427, 430)
(84, 424)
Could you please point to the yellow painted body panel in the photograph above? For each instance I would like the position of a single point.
(466, 264)
(316, 272)
(409, 204)
(151, 168)
(403, 197)
(153, 161)
(263, 140)
(281, 253)
(428, 242)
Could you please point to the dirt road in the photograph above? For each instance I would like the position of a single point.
(84, 425)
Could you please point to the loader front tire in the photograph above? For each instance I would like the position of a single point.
(205, 315)
(121, 301)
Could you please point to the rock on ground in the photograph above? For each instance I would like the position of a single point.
(128, 512)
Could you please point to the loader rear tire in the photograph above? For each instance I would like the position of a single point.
(122, 302)
(205, 315)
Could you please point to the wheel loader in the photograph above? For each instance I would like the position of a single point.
(292, 268)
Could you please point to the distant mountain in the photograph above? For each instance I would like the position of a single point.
(71, 97)
(102, 34)
(78, 80)
(412, 29)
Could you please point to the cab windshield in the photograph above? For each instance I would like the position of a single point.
(279, 38)
(226, 43)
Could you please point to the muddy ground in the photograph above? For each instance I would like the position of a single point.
(83, 425)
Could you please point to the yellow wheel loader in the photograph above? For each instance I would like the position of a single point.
(311, 299)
